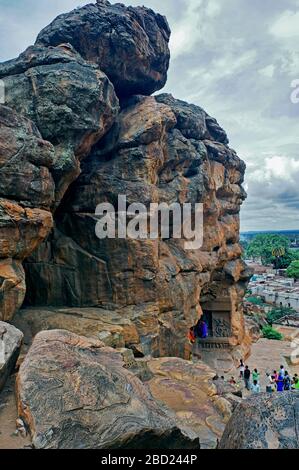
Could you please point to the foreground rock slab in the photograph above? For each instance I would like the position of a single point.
(188, 390)
(264, 422)
(10, 345)
(75, 393)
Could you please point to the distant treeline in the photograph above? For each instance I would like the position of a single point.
(292, 235)
(274, 249)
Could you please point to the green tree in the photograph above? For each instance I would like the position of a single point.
(293, 270)
(278, 313)
(255, 300)
(270, 333)
(272, 249)
(294, 254)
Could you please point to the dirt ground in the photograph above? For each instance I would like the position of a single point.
(8, 415)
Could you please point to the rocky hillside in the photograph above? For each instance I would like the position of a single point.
(80, 126)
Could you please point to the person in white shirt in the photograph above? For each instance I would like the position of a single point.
(241, 368)
(282, 371)
(255, 388)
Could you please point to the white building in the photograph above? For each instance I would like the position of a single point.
(281, 292)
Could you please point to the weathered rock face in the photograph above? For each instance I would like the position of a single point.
(129, 44)
(25, 161)
(72, 103)
(160, 150)
(26, 193)
(264, 422)
(10, 345)
(50, 93)
(66, 388)
(112, 327)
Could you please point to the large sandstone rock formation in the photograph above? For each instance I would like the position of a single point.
(64, 116)
(112, 327)
(264, 422)
(148, 157)
(75, 393)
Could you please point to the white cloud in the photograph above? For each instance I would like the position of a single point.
(187, 31)
(194, 26)
(268, 71)
(213, 8)
(286, 25)
(278, 166)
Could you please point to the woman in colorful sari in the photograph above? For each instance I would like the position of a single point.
(280, 383)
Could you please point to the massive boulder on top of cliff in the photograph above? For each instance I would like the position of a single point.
(159, 150)
(75, 393)
(72, 103)
(264, 422)
(130, 44)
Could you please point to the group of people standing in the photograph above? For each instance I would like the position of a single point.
(276, 382)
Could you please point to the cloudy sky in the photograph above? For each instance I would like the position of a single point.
(235, 58)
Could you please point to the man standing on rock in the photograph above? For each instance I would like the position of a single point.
(247, 377)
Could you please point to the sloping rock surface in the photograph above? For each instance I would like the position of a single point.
(75, 393)
(188, 390)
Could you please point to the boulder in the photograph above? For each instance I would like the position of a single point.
(264, 421)
(10, 345)
(74, 392)
(159, 150)
(130, 44)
